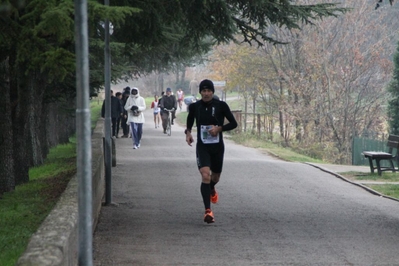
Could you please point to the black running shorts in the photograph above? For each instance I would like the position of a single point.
(210, 155)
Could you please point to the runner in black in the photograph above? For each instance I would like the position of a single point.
(209, 114)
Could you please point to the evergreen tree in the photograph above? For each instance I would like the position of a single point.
(163, 32)
(37, 60)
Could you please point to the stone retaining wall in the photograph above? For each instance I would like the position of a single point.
(56, 241)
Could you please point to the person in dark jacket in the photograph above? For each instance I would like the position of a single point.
(125, 126)
(116, 111)
(209, 114)
(169, 102)
(118, 120)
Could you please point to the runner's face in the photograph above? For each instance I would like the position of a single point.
(206, 95)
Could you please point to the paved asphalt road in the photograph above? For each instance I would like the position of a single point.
(270, 212)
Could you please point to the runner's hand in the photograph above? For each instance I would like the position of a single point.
(189, 139)
(214, 131)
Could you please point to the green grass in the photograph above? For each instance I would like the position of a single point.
(390, 190)
(148, 101)
(274, 149)
(22, 211)
(181, 118)
(25, 208)
(385, 177)
(95, 107)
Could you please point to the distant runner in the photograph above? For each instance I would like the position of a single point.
(156, 111)
(180, 97)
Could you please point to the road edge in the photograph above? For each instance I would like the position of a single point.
(372, 191)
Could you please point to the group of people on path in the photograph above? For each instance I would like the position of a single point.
(127, 111)
(209, 114)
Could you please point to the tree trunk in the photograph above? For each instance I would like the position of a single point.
(7, 181)
(281, 123)
(36, 136)
(22, 153)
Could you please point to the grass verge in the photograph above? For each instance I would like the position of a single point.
(24, 209)
(391, 190)
(273, 149)
(386, 184)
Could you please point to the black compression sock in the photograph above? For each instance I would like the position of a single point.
(212, 185)
(206, 195)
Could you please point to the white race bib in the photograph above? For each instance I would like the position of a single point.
(206, 137)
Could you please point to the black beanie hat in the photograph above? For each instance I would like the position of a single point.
(206, 84)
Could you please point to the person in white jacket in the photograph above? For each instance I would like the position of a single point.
(135, 105)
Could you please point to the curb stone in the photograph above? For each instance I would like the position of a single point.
(372, 191)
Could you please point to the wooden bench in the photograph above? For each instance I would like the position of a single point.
(393, 143)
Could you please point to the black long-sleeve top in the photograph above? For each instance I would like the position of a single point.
(211, 113)
(116, 108)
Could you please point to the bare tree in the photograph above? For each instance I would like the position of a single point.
(327, 84)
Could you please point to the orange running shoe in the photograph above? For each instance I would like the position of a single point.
(214, 196)
(208, 218)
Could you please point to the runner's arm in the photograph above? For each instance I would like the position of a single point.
(229, 116)
(190, 117)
